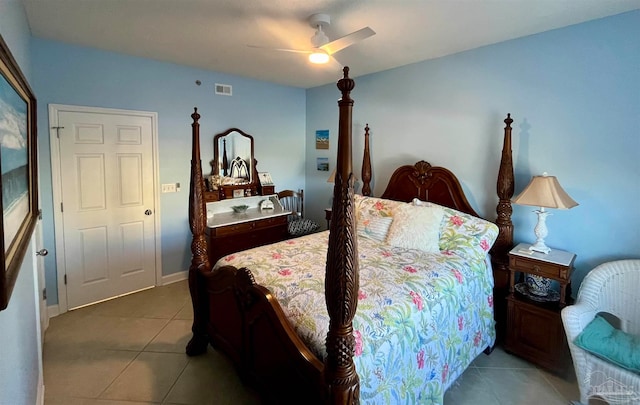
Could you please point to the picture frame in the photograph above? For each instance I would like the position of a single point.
(322, 139)
(18, 166)
(322, 164)
(265, 178)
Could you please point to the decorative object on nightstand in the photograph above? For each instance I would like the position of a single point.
(534, 326)
(544, 192)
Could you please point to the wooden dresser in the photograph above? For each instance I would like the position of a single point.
(228, 232)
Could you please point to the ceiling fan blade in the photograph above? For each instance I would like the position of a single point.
(280, 49)
(335, 64)
(349, 39)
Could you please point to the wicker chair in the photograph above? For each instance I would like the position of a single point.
(611, 289)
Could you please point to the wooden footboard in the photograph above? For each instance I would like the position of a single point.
(243, 319)
(248, 325)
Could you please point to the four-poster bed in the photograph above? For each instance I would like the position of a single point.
(242, 317)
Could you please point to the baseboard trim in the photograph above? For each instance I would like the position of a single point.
(175, 277)
(53, 310)
(40, 398)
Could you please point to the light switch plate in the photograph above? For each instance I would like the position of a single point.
(169, 188)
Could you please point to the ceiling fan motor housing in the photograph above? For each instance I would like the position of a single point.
(319, 21)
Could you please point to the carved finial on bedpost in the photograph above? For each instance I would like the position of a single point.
(199, 258)
(346, 84)
(366, 165)
(341, 280)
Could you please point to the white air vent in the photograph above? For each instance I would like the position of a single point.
(224, 89)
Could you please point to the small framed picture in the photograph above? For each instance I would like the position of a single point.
(238, 193)
(323, 164)
(265, 178)
(322, 139)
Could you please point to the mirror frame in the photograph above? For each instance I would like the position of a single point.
(216, 156)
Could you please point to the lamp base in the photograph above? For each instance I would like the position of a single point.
(540, 247)
(541, 232)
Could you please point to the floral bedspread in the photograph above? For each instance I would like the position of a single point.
(421, 319)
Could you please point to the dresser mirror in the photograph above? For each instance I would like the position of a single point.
(233, 161)
(233, 173)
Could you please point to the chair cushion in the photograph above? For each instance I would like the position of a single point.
(302, 226)
(603, 340)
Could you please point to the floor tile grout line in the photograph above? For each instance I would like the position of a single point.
(175, 381)
(553, 386)
(487, 383)
(156, 335)
(119, 374)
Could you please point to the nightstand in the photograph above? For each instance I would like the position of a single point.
(534, 326)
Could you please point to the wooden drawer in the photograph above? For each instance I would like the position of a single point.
(211, 196)
(219, 246)
(243, 227)
(233, 229)
(531, 266)
(269, 222)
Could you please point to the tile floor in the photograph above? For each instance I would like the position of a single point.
(130, 350)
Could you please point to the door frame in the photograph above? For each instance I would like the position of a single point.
(56, 184)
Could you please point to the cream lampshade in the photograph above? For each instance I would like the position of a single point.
(544, 192)
(332, 177)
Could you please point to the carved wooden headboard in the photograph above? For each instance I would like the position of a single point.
(428, 183)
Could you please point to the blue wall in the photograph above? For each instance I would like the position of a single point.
(273, 114)
(20, 357)
(574, 94)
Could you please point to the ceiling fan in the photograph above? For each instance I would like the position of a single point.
(322, 48)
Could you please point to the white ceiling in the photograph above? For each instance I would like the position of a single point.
(214, 34)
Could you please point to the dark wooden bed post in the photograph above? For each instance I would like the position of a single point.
(199, 258)
(366, 165)
(504, 243)
(341, 280)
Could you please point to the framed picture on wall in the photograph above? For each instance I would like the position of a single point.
(322, 139)
(322, 164)
(19, 171)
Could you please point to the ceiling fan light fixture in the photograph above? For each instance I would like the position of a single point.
(318, 56)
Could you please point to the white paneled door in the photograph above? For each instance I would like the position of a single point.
(107, 204)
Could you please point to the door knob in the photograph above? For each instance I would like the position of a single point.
(42, 252)
(147, 212)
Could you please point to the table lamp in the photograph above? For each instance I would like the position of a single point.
(332, 177)
(544, 192)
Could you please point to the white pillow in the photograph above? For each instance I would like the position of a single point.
(419, 203)
(375, 228)
(416, 227)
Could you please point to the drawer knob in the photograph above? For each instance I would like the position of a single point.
(536, 268)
